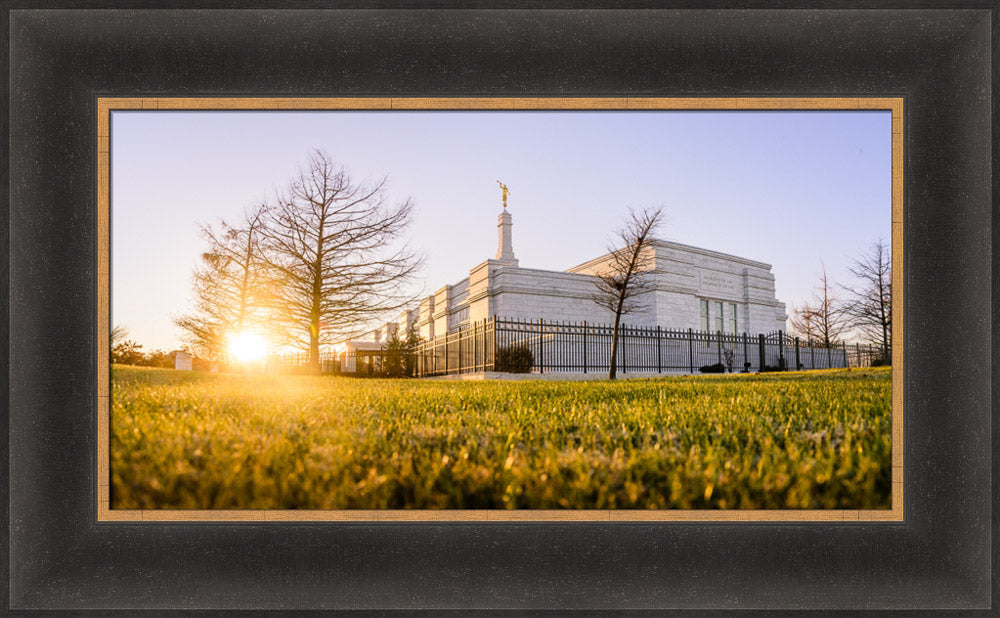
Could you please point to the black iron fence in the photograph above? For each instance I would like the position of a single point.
(541, 346)
(298, 362)
(469, 350)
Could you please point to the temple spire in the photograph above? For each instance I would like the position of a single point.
(505, 246)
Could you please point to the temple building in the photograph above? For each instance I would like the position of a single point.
(692, 288)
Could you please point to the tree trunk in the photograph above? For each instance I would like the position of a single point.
(317, 299)
(245, 287)
(883, 310)
(613, 371)
(314, 346)
(885, 342)
(314, 319)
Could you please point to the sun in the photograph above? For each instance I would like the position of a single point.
(247, 347)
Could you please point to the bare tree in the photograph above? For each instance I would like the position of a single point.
(823, 320)
(870, 304)
(335, 249)
(230, 285)
(625, 275)
(804, 322)
(118, 334)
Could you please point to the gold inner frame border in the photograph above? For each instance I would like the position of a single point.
(107, 105)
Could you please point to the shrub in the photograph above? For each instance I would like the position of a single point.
(716, 368)
(881, 361)
(397, 358)
(201, 364)
(127, 353)
(514, 359)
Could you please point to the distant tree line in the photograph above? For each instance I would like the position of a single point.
(312, 266)
(863, 310)
(127, 351)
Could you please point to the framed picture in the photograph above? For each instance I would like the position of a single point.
(69, 549)
(819, 443)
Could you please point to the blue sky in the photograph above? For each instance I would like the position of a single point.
(790, 189)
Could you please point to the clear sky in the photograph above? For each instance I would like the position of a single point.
(786, 188)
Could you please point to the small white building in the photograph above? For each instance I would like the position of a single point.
(346, 352)
(182, 360)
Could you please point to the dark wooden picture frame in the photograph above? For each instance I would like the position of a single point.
(62, 557)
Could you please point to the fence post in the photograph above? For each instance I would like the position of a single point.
(493, 353)
(846, 364)
(746, 353)
(475, 347)
(691, 350)
(760, 350)
(781, 352)
(718, 346)
(585, 346)
(541, 346)
(798, 364)
(659, 351)
(446, 355)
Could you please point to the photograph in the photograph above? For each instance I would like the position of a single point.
(477, 310)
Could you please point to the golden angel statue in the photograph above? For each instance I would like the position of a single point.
(505, 190)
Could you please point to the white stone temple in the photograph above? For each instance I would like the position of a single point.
(692, 288)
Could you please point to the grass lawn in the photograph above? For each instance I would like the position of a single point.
(231, 441)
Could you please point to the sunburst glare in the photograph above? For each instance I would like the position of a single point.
(247, 347)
